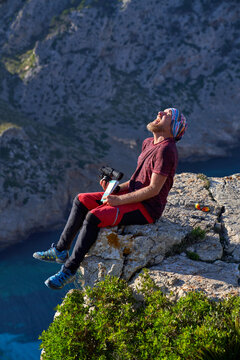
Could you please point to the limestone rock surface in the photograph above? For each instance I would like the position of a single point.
(179, 275)
(226, 191)
(208, 250)
(169, 246)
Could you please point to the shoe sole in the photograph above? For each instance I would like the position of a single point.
(52, 286)
(51, 261)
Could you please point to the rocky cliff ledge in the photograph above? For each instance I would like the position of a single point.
(187, 249)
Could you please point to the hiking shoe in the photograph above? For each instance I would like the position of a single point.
(59, 280)
(52, 255)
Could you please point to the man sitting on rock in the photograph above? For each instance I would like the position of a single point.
(141, 200)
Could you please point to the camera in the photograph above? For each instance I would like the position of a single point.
(107, 173)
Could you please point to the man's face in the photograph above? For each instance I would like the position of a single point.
(162, 122)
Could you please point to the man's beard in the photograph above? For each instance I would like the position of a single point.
(154, 128)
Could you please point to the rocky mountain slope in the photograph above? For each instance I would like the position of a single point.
(80, 79)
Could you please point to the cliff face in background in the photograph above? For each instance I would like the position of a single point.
(80, 79)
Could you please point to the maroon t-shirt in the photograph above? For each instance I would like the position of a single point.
(160, 158)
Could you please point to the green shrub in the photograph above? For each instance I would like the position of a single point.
(4, 153)
(21, 63)
(205, 179)
(25, 200)
(7, 125)
(197, 234)
(111, 324)
(10, 182)
(192, 255)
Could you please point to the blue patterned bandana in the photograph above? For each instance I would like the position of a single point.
(178, 124)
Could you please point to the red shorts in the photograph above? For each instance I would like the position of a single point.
(128, 214)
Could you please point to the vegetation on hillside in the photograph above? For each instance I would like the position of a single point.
(20, 64)
(36, 157)
(107, 322)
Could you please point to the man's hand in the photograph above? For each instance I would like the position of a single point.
(113, 200)
(103, 184)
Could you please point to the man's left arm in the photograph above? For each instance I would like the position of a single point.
(156, 183)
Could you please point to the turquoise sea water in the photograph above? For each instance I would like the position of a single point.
(215, 167)
(27, 305)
